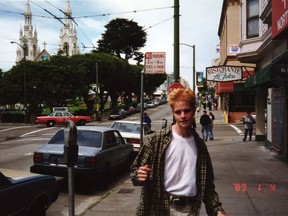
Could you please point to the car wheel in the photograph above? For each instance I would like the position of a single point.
(82, 122)
(37, 208)
(50, 124)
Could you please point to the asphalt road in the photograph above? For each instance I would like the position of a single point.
(19, 141)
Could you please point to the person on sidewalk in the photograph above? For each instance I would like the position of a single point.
(205, 122)
(174, 167)
(248, 121)
(147, 119)
(211, 125)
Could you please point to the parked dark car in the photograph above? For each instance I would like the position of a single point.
(101, 151)
(24, 193)
(118, 114)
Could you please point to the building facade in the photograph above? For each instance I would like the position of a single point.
(28, 38)
(232, 100)
(68, 34)
(264, 42)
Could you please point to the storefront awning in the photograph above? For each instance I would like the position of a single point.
(261, 77)
(271, 76)
(240, 89)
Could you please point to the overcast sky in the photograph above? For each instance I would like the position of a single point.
(199, 22)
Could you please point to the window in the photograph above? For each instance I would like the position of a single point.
(25, 46)
(66, 48)
(252, 18)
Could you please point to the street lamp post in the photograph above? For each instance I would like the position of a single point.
(192, 46)
(24, 79)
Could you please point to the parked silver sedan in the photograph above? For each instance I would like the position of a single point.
(130, 131)
(101, 151)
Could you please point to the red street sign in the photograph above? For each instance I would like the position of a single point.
(175, 86)
(154, 62)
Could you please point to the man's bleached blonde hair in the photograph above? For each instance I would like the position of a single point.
(181, 94)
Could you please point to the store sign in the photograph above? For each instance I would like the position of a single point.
(279, 17)
(154, 63)
(223, 73)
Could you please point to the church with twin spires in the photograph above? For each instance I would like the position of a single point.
(28, 38)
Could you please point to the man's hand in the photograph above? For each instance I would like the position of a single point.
(143, 173)
(220, 214)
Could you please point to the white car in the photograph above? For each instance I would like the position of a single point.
(130, 131)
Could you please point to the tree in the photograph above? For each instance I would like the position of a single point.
(123, 37)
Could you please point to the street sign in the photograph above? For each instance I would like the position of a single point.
(175, 86)
(155, 62)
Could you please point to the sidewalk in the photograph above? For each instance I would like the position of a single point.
(250, 180)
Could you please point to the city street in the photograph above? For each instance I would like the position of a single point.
(250, 179)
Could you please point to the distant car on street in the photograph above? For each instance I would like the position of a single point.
(130, 131)
(60, 118)
(151, 104)
(24, 193)
(118, 114)
(102, 150)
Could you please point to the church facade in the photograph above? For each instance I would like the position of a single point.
(28, 38)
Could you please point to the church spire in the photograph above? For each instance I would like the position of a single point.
(68, 15)
(28, 15)
(27, 37)
(68, 34)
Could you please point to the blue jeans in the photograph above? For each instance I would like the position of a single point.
(211, 132)
(205, 132)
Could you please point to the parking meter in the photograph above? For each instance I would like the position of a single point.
(70, 147)
(164, 123)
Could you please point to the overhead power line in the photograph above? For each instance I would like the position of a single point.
(59, 19)
(73, 20)
(125, 12)
(87, 16)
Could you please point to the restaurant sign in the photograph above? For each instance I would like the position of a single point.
(279, 18)
(223, 73)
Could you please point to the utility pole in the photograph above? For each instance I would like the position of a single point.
(176, 40)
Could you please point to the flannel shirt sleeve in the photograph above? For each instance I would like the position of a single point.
(142, 158)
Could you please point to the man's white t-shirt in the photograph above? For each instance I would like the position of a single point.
(180, 166)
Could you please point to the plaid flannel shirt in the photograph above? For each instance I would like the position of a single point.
(154, 198)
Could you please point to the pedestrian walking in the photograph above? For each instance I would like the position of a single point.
(211, 125)
(147, 119)
(205, 122)
(209, 104)
(248, 121)
(174, 167)
(215, 104)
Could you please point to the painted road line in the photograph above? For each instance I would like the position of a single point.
(13, 128)
(237, 130)
(36, 131)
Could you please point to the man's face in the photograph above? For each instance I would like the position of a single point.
(183, 114)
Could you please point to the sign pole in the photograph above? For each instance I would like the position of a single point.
(142, 107)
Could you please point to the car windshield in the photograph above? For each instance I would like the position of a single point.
(127, 127)
(84, 138)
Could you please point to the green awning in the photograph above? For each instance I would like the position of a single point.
(240, 89)
(262, 77)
